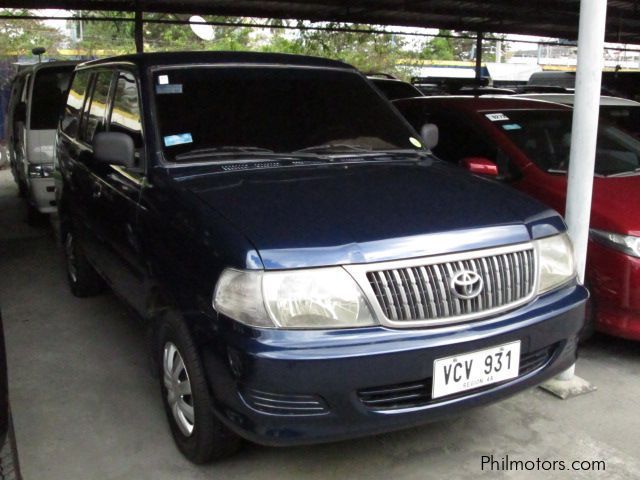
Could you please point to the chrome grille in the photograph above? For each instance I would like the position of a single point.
(424, 292)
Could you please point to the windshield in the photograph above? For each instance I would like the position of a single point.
(49, 96)
(276, 109)
(545, 137)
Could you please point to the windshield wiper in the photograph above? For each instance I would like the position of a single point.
(227, 149)
(627, 173)
(333, 148)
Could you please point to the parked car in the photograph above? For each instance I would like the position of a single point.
(308, 271)
(393, 88)
(11, 130)
(37, 99)
(621, 112)
(616, 84)
(565, 80)
(525, 144)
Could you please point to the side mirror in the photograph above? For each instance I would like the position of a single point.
(114, 148)
(20, 113)
(480, 166)
(429, 134)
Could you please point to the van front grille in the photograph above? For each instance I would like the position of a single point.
(467, 288)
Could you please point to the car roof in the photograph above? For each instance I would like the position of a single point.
(144, 60)
(486, 102)
(374, 78)
(56, 64)
(568, 99)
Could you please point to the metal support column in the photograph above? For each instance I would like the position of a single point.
(582, 157)
(479, 58)
(138, 33)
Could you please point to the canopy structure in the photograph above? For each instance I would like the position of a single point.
(548, 18)
(591, 22)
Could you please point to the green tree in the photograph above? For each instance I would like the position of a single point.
(440, 48)
(20, 36)
(107, 36)
(167, 36)
(366, 51)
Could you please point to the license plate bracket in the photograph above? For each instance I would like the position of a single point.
(468, 371)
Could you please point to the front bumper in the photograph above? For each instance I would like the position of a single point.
(278, 387)
(613, 279)
(42, 194)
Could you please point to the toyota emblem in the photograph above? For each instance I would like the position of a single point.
(466, 284)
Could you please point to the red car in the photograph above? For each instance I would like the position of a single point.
(525, 143)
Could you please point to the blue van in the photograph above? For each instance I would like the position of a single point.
(308, 271)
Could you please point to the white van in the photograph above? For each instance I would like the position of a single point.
(37, 102)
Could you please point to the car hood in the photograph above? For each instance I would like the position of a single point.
(368, 211)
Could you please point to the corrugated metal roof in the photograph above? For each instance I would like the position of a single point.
(550, 18)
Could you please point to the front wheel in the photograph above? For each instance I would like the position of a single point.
(198, 433)
(23, 190)
(34, 217)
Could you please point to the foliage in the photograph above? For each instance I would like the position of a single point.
(348, 42)
(367, 52)
(174, 36)
(440, 48)
(19, 37)
(109, 37)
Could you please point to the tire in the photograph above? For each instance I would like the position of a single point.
(198, 433)
(34, 217)
(23, 190)
(83, 280)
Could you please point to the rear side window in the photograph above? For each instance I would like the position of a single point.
(47, 99)
(97, 108)
(75, 100)
(125, 116)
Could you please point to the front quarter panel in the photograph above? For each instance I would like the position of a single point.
(187, 244)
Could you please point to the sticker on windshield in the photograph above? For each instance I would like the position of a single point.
(163, 79)
(180, 139)
(169, 88)
(511, 126)
(496, 117)
(415, 142)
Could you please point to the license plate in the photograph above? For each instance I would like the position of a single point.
(476, 369)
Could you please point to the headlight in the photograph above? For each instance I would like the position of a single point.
(40, 170)
(556, 265)
(313, 298)
(625, 243)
